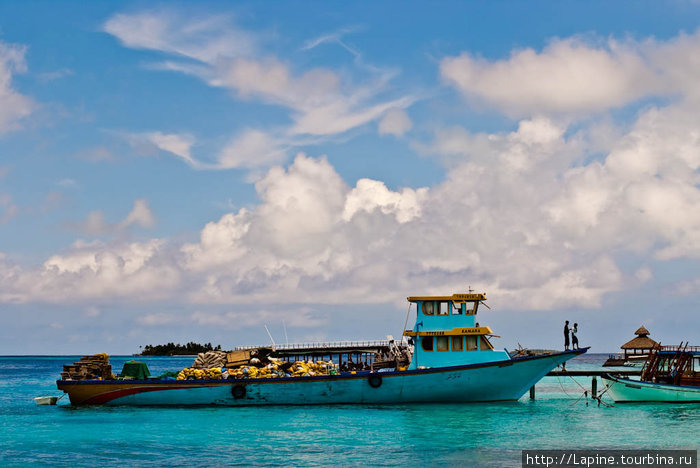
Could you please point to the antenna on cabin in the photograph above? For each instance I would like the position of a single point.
(469, 288)
(270, 335)
(286, 338)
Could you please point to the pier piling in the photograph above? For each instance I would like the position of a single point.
(594, 387)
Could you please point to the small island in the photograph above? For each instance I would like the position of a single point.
(171, 349)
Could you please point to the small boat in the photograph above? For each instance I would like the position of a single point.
(670, 374)
(445, 357)
(46, 400)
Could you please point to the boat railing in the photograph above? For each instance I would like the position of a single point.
(691, 349)
(322, 345)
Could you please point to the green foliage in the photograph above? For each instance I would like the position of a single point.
(170, 349)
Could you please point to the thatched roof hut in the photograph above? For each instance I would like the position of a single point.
(642, 342)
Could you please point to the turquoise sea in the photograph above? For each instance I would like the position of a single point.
(416, 435)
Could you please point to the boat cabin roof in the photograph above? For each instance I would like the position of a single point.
(470, 297)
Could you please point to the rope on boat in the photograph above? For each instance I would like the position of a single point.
(408, 313)
(585, 393)
(604, 403)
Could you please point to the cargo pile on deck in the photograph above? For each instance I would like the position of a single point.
(95, 366)
(249, 364)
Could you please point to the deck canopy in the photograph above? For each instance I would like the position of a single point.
(458, 298)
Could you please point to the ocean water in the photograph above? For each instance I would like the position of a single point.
(418, 435)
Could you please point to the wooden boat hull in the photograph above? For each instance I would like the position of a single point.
(493, 381)
(624, 390)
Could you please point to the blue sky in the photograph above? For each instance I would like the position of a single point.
(181, 171)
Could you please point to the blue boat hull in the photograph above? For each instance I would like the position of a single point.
(494, 381)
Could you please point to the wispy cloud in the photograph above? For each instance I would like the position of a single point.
(47, 77)
(13, 105)
(320, 102)
(96, 224)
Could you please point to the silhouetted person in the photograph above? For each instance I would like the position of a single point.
(566, 335)
(574, 339)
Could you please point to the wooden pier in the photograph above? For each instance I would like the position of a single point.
(593, 373)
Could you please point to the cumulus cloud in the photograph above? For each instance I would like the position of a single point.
(370, 195)
(93, 270)
(525, 215)
(13, 105)
(539, 216)
(578, 76)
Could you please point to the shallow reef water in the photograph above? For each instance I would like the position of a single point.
(477, 435)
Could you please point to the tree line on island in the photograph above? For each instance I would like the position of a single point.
(171, 349)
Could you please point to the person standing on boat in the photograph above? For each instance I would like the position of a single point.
(574, 339)
(566, 335)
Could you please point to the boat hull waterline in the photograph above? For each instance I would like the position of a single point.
(494, 381)
(623, 390)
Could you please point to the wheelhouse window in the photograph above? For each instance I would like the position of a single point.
(472, 343)
(485, 344)
(443, 308)
(429, 308)
(456, 308)
(457, 343)
(470, 307)
(443, 343)
(426, 343)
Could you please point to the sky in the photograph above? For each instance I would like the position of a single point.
(184, 171)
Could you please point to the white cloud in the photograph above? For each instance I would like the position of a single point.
(370, 195)
(539, 216)
(177, 144)
(139, 215)
(13, 105)
(54, 75)
(578, 76)
(89, 271)
(395, 122)
(252, 148)
(203, 38)
(95, 223)
(321, 103)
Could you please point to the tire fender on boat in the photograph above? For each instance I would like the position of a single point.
(375, 381)
(238, 391)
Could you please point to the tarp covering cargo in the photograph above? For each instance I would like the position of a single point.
(135, 370)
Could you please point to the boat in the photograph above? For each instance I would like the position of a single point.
(635, 350)
(446, 357)
(670, 374)
(46, 400)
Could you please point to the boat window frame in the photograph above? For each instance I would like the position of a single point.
(457, 339)
(446, 341)
(427, 339)
(439, 308)
(473, 310)
(483, 339)
(456, 308)
(476, 343)
(432, 308)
